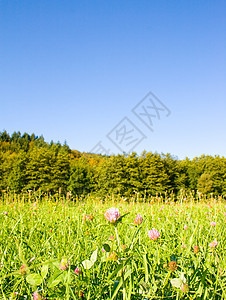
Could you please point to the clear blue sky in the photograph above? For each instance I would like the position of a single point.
(74, 69)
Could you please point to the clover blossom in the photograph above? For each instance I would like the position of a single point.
(112, 215)
(153, 234)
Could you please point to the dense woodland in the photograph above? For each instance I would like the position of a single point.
(27, 162)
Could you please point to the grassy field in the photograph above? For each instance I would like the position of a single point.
(56, 248)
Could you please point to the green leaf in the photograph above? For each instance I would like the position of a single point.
(176, 282)
(107, 248)
(93, 257)
(34, 279)
(120, 219)
(183, 279)
(173, 258)
(118, 285)
(146, 267)
(200, 290)
(56, 263)
(103, 259)
(87, 264)
(115, 285)
(115, 272)
(44, 271)
(54, 280)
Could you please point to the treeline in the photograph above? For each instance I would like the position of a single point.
(27, 162)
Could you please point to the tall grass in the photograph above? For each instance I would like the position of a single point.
(45, 238)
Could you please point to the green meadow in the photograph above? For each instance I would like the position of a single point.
(53, 247)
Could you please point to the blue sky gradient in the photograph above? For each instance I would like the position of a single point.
(72, 70)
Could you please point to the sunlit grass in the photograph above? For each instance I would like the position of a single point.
(45, 239)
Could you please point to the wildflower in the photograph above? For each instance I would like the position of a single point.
(184, 287)
(87, 217)
(138, 220)
(112, 215)
(153, 234)
(213, 244)
(113, 256)
(36, 296)
(6, 213)
(213, 224)
(196, 249)
(90, 217)
(77, 271)
(183, 246)
(111, 238)
(185, 227)
(172, 265)
(64, 264)
(23, 269)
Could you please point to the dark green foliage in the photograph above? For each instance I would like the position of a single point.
(17, 178)
(112, 177)
(80, 181)
(28, 162)
(205, 183)
(47, 169)
(4, 137)
(134, 174)
(154, 174)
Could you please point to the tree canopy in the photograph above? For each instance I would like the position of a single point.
(27, 162)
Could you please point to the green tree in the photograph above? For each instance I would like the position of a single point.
(176, 179)
(205, 183)
(112, 177)
(79, 182)
(216, 167)
(154, 176)
(47, 169)
(16, 178)
(133, 174)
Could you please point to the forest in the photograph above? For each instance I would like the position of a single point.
(27, 162)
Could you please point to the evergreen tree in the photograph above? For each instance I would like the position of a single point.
(133, 174)
(28, 162)
(154, 176)
(112, 177)
(79, 182)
